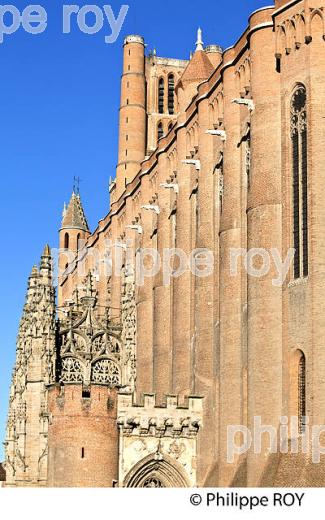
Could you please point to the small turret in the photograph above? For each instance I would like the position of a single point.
(73, 233)
(214, 53)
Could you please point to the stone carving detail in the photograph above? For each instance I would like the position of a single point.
(176, 449)
(153, 482)
(158, 443)
(298, 111)
(129, 328)
(105, 371)
(71, 370)
(90, 346)
(83, 347)
(35, 361)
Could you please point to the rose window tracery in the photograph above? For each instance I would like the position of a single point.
(153, 482)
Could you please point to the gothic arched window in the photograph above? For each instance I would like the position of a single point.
(161, 96)
(299, 180)
(248, 159)
(160, 130)
(302, 392)
(171, 93)
(66, 241)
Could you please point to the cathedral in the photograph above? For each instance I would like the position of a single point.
(131, 369)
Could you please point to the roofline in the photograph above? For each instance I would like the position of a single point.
(261, 9)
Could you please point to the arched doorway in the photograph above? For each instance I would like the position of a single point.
(153, 472)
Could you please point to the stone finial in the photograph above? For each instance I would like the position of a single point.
(199, 43)
(47, 251)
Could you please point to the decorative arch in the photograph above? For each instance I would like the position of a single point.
(291, 36)
(280, 40)
(238, 79)
(301, 30)
(247, 74)
(317, 23)
(220, 104)
(156, 470)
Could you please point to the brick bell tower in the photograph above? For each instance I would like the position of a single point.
(133, 117)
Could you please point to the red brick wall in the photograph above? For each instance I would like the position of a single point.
(83, 437)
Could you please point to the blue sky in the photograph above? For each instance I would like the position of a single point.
(59, 118)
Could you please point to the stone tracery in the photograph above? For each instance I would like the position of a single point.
(90, 349)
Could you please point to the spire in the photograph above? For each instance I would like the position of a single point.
(73, 215)
(46, 261)
(47, 251)
(200, 67)
(199, 43)
(64, 210)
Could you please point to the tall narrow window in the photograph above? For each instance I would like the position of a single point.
(66, 241)
(161, 96)
(302, 393)
(248, 160)
(300, 181)
(219, 186)
(160, 130)
(171, 93)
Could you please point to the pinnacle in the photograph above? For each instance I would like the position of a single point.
(199, 42)
(47, 251)
(34, 271)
